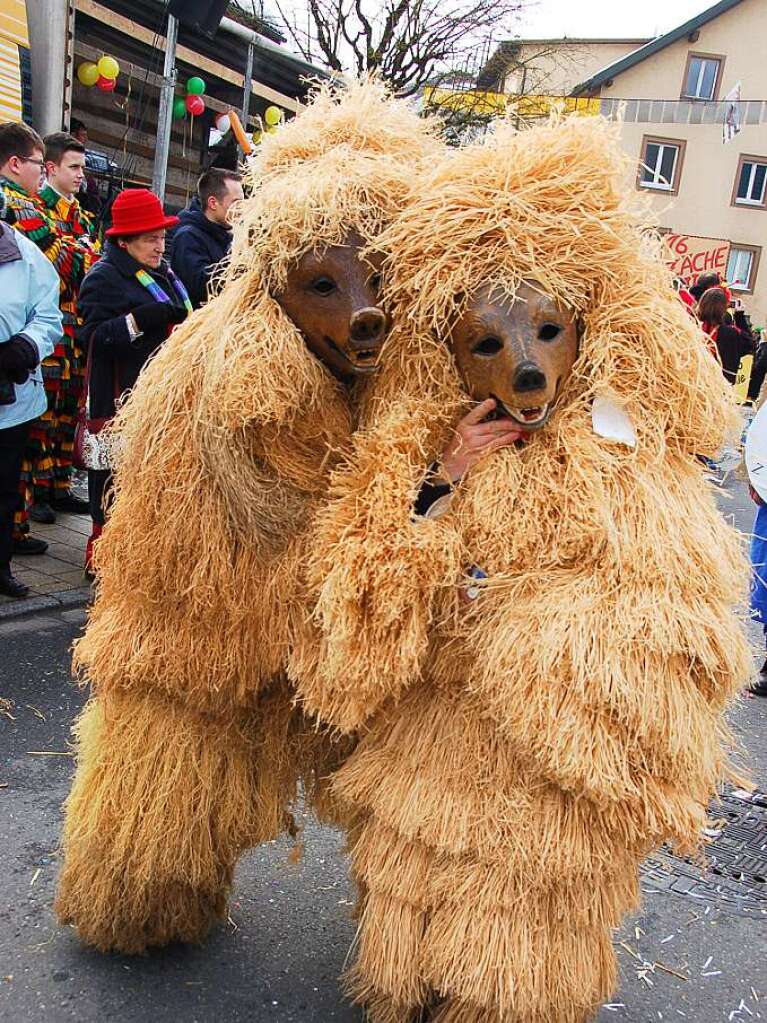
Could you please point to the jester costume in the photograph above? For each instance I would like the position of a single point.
(60, 230)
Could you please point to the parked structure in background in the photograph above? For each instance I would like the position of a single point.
(122, 124)
(693, 105)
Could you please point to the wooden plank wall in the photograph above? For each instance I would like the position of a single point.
(123, 124)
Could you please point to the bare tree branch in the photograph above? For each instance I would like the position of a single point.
(410, 43)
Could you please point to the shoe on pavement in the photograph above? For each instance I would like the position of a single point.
(28, 545)
(41, 511)
(69, 502)
(10, 586)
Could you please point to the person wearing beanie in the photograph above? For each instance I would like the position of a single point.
(129, 303)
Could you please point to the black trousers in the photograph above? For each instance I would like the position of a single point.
(12, 443)
(99, 481)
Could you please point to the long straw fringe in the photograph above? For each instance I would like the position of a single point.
(192, 749)
(520, 756)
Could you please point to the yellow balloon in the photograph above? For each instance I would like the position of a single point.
(108, 67)
(88, 73)
(272, 129)
(257, 136)
(272, 115)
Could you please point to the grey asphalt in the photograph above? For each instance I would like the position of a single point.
(279, 956)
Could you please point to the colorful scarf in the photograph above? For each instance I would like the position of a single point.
(157, 292)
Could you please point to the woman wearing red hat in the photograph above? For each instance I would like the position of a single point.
(130, 301)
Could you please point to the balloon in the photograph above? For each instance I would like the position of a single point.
(272, 129)
(195, 105)
(272, 115)
(223, 123)
(106, 84)
(195, 86)
(108, 67)
(88, 73)
(179, 108)
(257, 136)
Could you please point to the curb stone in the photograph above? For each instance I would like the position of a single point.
(50, 602)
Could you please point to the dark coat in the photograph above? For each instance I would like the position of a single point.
(732, 346)
(108, 293)
(198, 247)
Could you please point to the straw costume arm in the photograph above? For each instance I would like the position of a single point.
(375, 569)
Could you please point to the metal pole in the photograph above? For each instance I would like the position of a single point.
(248, 85)
(165, 113)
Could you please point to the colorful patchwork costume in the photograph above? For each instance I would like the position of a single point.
(60, 230)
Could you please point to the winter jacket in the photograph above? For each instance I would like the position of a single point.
(109, 292)
(732, 346)
(198, 247)
(30, 306)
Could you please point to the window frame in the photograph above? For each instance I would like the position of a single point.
(748, 204)
(692, 55)
(756, 255)
(681, 145)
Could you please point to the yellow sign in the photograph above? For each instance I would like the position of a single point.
(531, 107)
(496, 104)
(469, 101)
(13, 34)
(743, 379)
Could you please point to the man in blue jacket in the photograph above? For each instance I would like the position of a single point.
(205, 234)
(30, 326)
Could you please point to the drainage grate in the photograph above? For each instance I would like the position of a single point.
(735, 877)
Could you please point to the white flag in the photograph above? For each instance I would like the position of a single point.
(732, 114)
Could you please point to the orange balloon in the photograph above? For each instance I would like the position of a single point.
(239, 133)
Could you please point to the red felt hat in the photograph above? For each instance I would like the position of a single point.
(136, 211)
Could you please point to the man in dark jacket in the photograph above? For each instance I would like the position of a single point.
(205, 234)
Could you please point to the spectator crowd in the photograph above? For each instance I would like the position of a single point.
(80, 317)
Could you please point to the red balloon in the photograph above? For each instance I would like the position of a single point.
(106, 84)
(195, 105)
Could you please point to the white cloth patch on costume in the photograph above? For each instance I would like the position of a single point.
(612, 422)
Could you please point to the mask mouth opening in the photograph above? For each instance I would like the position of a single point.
(530, 418)
(363, 360)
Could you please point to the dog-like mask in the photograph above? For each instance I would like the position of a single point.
(332, 296)
(519, 351)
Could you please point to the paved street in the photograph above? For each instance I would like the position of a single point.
(700, 956)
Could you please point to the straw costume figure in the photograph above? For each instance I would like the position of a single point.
(522, 751)
(190, 750)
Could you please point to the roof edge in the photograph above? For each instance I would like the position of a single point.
(654, 46)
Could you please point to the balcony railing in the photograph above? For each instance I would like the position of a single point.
(681, 111)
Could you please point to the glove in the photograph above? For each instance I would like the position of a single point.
(17, 357)
(157, 316)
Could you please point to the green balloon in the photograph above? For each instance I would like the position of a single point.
(195, 87)
(179, 108)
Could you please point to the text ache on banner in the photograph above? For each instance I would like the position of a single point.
(690, 256)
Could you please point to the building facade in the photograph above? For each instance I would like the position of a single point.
(673, 98)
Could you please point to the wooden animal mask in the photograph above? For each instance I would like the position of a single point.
(332, 296)
(517, 350)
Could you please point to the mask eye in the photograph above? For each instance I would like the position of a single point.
(487, 346)
(324, 286)
(375, 282)
(549, 331)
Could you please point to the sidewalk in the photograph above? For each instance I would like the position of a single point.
(55, 578)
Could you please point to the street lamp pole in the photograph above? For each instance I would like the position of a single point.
(165, 112)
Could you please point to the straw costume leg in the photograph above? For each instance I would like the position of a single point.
(473, 876)
(152, 838)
